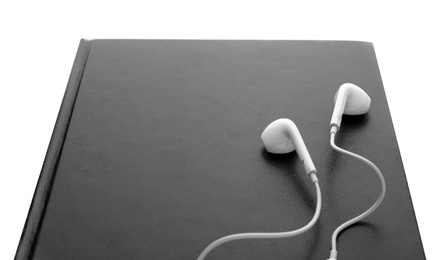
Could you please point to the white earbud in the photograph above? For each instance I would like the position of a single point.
(349, 100)
(282, 136)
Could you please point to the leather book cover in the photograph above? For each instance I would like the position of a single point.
(156, 153)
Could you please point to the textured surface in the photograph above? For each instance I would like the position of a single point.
(163, 155)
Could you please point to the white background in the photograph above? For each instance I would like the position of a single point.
(39, 40)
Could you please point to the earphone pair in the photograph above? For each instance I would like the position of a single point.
(282, 136)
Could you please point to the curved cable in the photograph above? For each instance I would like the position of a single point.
(272, 234)
(333, 252)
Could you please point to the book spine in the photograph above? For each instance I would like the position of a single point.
(39, 202)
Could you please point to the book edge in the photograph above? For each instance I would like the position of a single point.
(40, 199)
(399, 152)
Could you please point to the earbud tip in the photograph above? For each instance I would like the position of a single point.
(275, 139)
(266, 143)
(357, 101)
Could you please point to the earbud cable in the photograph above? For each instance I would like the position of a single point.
(271, 235)
(333, 252)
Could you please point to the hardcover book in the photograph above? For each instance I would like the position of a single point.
(156, 153)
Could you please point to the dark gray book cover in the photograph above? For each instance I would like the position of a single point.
(156, 153)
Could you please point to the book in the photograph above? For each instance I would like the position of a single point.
(156, 153)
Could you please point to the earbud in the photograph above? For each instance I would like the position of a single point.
(283, 136)
(349, 100)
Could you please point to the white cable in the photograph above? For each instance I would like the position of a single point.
(272, 234)
(333, 252)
